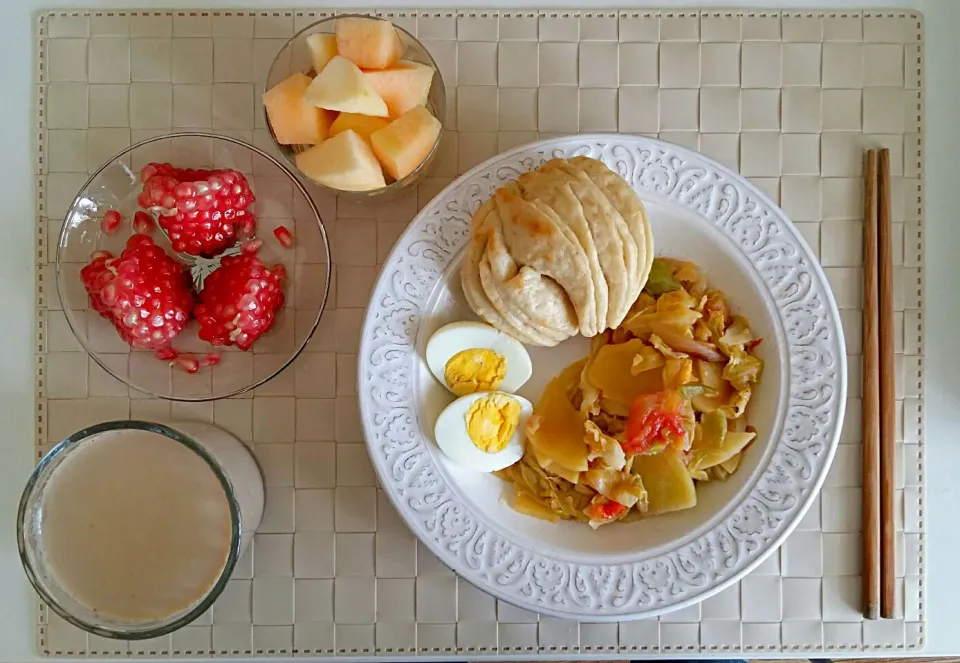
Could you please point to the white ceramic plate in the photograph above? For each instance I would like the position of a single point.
(702, 212)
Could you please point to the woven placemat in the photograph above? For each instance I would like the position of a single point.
(787, 98)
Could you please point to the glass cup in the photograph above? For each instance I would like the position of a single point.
(295, 57)
(192, 462)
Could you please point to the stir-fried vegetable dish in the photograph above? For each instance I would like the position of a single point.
(657, 406)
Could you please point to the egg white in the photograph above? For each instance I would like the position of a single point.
(452, 438)
(458, 336)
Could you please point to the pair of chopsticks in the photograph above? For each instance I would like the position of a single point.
(879, 575)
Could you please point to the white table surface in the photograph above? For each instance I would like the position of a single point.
(942, 145)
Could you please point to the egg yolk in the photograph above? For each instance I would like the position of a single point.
(491, 422)
(476, 369)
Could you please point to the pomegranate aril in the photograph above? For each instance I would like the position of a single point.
(248, 228)
(210, 359)
(111, 221)
(147, 172)
(142, 223)
(284, 236)
(165, 354)
(187, 363)
(251, 247)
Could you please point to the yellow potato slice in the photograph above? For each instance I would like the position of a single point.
(667, 482)
(610, 373)
(556, 429)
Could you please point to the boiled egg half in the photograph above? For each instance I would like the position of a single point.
(468, 357)
(484, 431)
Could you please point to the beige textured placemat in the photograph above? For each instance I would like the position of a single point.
(789, 99)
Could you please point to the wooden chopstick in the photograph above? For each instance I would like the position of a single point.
(887, 394)
(871, 398)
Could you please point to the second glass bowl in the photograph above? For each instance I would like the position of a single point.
(294, 57)
(281, 200)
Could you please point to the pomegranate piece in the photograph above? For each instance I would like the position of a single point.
(111, 221)
(284, 236)
(210, 359)
(145, 293)
(239, 301)
(142, 223)
(200, 210)
(187, 363)
(251, 247)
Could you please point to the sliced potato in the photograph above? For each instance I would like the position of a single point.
(610, 372)
(667, 482)
(711, 375)
(526, 505)
(714, 444)
(555, 431)
(731, 464)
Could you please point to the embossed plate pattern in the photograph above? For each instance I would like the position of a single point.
(649, 584)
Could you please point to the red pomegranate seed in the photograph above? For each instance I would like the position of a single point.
(142, 223)
(100, 254)
(284, 236)
(111, 221)
(250, 247)
(247, 228)
(166, 353)
(187, 363)
(210, 359)
(147, 172)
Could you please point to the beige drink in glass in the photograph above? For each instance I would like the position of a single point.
(130, 529)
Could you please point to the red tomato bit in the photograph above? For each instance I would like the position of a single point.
(654, 419)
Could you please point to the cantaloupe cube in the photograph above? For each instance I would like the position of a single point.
(322, 49)
(294, 121)
(403, 144)
(362, 125)
(343, 162)
(341, 86)
(403, 86)
(368, 42)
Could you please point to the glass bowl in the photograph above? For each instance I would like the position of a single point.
(281, 200)
(294, 57)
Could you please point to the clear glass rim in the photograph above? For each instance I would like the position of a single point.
(297, 184)
(72, 442)
(397, 184)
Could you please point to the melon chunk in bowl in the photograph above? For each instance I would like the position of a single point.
(341, 86)
(343, 162)
(368, 42)
(405, 143)
(363, 125)
(323, 48)
(294, 121)
(403, 86)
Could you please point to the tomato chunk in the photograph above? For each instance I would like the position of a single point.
(752, 344)
(654, 421)
(604, 510)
